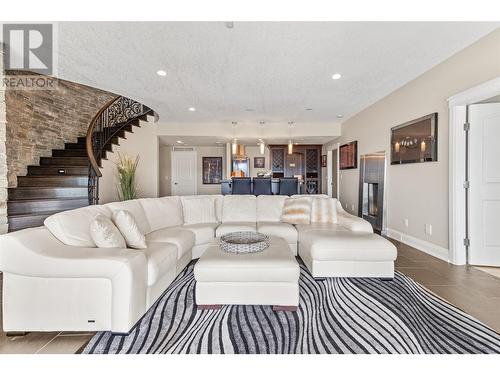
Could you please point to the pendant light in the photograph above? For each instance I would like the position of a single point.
(290, 143)
(262, 145)
(234, 145)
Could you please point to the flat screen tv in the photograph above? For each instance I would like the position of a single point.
(349, 155)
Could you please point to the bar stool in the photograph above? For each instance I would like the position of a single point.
(288, 185)
(242, 185)
(262, 186)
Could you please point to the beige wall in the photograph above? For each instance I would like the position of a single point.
(419, 192)
(143, 142)
(252, 152)
(165, 169)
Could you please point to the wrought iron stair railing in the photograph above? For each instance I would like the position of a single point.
(111, 120)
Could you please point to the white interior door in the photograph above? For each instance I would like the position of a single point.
(484, 192)
(184, 173)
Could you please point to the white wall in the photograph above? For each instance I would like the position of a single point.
(143, 142)
(165, 168)
(418, 192)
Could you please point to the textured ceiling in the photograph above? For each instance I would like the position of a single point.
(274, 69)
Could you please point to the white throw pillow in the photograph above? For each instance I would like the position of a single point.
(105, 234)
(324, 210)
(129, 229)
(198, 210)
(135, 208)
(73, 227)
(297, 211)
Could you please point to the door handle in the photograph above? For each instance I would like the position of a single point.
(175, 183)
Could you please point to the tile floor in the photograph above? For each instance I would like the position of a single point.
(470, 289)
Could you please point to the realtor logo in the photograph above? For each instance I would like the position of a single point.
(29, 47)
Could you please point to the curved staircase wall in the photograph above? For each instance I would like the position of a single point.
(39, 121)
(143, 141)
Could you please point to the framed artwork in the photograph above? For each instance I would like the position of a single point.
(259, 162)
(323, 161)
(349, 155)
(415, 141)
(212, 170)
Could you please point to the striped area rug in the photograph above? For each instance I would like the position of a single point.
(337, 315)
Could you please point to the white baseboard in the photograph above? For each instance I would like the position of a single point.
(427, 247)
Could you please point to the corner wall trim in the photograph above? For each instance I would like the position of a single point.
(427, 247)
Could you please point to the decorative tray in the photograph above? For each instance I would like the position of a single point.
(244, 242)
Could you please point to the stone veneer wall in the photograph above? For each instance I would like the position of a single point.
(42, 120)
(3, 153)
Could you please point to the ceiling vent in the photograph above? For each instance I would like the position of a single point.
(183, 148)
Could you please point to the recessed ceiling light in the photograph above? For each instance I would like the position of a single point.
(161, 73)
(219, 143)
(180, 142)
(336, 76)
(340, 116)
(191, 109)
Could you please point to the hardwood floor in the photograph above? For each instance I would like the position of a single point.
(470, 289)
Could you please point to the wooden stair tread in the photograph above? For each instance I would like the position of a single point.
(46, 199)
(41, 213)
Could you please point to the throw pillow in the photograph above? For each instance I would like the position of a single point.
(105, 234)
(297, 211)
(198, 210)
(324, 210)
(128, 227)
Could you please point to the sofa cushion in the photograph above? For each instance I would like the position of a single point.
(134, 207)
(283, 230)
(324, 210)
(203, 233)
(182, 238)
(297, 211)
(162, 212)
(349, 246)
(303, 230)
(161, 258)
(239, 208)
(198, 209)
(105, 234)
(269, 207)
(218, 199)
(129, 229)
(241, 226)
(73, 227)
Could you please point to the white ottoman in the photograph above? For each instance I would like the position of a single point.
(347, 254)
(270, 277)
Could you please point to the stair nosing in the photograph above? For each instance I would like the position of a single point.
(56, 175)
(48, 199)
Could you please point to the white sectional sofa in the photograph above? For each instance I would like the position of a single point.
(55, 279)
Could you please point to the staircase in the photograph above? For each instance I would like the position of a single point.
(67, 179)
